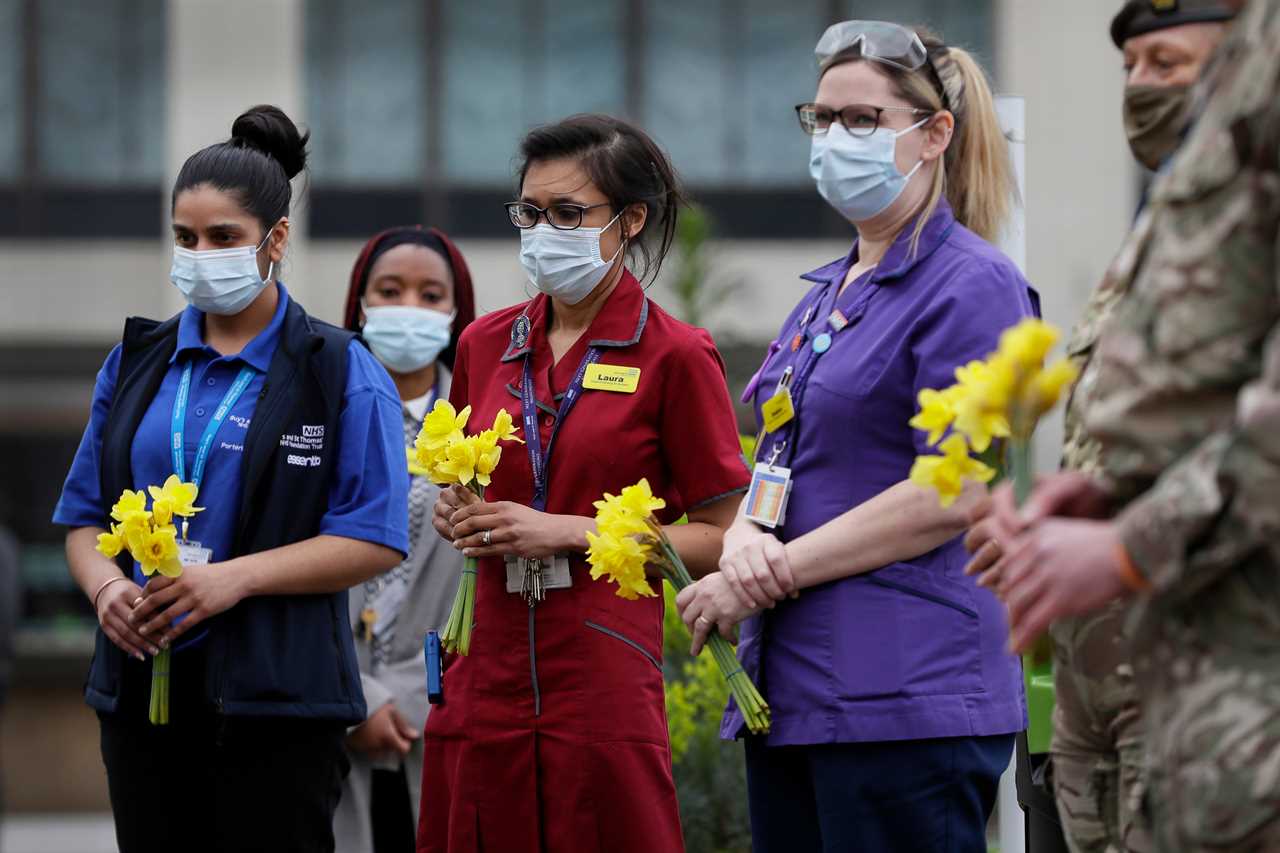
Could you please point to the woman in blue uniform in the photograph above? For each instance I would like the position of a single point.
(293, 432)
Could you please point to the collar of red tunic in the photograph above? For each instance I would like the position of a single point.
(620, 322)
(899, 260)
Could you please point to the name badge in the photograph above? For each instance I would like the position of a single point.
(611, 377)
(191, 554)
(555, 573)
(777, 410)
(768, 495)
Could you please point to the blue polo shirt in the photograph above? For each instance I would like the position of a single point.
(369, 494)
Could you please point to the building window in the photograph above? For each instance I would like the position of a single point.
(82, 115)
(10, 90)
(366, 92)
(416, 113)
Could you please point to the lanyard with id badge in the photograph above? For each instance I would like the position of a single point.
(531, 576)
(191, 553)
(771, 483)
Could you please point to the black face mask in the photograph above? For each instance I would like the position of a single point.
(1154, 120)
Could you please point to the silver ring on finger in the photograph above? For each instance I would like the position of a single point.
(488, 538)
(704, 620)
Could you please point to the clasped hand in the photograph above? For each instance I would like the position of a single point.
(503, 528)
(754, 575)
(166, 608)
(1055, 557)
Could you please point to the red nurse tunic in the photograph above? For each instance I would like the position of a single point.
(553, 735)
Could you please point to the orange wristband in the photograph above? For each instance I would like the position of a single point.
(1128, 572)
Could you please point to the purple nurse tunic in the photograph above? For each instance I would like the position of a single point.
(913, 649)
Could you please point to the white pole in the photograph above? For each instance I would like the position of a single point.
(1013, 119)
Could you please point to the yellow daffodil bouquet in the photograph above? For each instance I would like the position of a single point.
(1003, 398)
(445, 454)
(151, 537)
(627, 540)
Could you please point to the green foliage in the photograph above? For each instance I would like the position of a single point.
(697, 289)
(710, 774)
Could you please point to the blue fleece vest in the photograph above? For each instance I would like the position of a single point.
(280, 655)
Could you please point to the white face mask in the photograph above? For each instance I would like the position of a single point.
(406, 338)
(858, 175)
(565, 264)
(220, 281)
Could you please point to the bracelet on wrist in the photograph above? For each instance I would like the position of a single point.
(108, 582)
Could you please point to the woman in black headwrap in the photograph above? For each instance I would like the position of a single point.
(410, 297)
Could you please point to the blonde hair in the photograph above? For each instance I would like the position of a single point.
(975, 173)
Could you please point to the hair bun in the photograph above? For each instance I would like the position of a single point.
(267, 129)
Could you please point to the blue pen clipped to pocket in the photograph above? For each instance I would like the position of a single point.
(435, 668)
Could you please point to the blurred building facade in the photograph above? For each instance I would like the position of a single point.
(416, 107)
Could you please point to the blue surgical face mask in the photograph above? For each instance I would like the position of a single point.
(406, 338)
(220, 281)
(565, 264)
(858, 175)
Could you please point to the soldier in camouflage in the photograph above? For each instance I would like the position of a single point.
(1097, 750)
(1182, 396)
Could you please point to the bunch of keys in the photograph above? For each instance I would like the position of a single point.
(532, 587)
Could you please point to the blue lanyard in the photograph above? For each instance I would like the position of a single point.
(538, 461)
(210, 431)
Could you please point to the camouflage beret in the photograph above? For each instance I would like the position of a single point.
(1138, 17)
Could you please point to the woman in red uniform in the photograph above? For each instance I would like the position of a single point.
(553, 735)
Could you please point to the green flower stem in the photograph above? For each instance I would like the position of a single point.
(755, 711)
(462, 615)
(457, 632)
(1023, 469)
(158, 713)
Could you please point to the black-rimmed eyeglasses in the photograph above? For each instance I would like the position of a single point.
(563, 216)
(858, 119)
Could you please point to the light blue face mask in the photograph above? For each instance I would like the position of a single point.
(858, 175)
(220, 281)
(565, 264)
(406, 338)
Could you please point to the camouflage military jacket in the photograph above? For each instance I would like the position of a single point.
(1182, 392)
(1080, 450)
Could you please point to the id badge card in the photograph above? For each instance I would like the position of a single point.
(555, 573)
(767, 497)
(778, 410)
(192, 554)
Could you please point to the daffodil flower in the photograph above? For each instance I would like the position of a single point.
(415, 469)
(622, 560)
(157, 551)
(459, 465)
(615, 518)
(937, 411)
(111, 544)
(628, 542)
(980, 425)
(173, 498)
(946, 473)
(129, 506)
(1027, 343)
(1046, 387)
(504, 427)
(488, 454)
(443, 425)
(640, 499)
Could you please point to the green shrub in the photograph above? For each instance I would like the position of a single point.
(710, 774)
